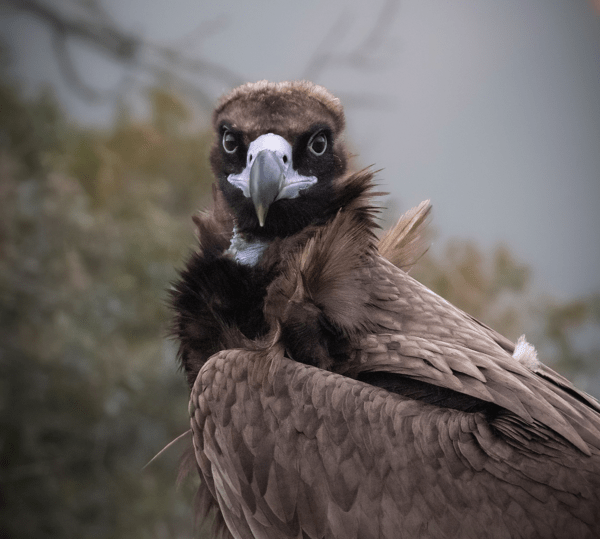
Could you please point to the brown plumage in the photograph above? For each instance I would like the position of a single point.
(332, 395)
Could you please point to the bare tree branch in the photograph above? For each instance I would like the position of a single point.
(107, 38)
(150, 62)
(324, 55)
(98, 29)
(380, 30)
(362, 57)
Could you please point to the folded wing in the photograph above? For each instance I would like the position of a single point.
(291, 450)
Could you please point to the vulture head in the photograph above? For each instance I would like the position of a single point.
(276, 155)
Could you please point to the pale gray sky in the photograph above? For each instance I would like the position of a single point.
(492, 108)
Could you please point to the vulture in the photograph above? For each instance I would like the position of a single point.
(334, 396)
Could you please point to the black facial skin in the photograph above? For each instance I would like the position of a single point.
(286, 216)
(230, 163)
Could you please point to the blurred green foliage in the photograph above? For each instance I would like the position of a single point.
(93, 226)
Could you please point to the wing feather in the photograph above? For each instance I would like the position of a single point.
(470, 360)
(396, 468)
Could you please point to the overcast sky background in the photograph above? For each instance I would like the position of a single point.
(489, 108)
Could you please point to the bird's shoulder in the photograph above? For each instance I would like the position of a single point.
(422, 336)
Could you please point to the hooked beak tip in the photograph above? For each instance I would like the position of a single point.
(261, 213)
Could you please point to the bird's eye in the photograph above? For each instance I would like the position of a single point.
(318, 144)
(230, 143)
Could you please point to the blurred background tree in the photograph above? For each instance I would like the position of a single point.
(94, 224)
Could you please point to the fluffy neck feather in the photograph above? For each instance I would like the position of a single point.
(246, 252)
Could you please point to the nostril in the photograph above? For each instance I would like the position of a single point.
(250, 158)
(285, 158)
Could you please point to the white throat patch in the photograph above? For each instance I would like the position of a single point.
(247, 253)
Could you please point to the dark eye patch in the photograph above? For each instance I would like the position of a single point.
(231, 149)
(230, 141)
(318, 143)
(313, 150)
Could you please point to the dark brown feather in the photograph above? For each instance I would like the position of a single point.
(334, 396)
(285, 108)
(214, 228)
(436, 471)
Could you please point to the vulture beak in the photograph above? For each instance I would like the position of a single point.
(266, 178)
(269, 174)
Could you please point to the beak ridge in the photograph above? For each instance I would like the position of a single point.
(266, 178)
